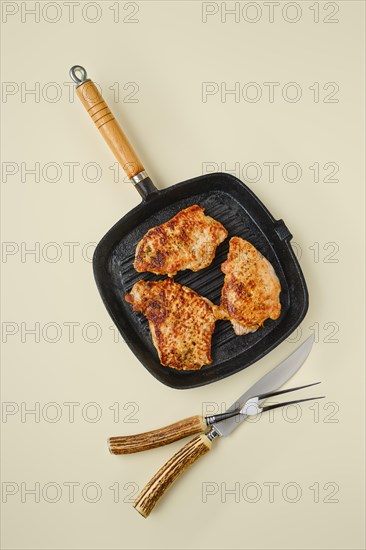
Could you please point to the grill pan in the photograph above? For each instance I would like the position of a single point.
(226, 199)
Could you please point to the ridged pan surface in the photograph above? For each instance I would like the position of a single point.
(230, 202)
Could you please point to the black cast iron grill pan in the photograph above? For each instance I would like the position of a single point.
(226, 199)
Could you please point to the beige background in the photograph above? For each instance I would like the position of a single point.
(167, 54)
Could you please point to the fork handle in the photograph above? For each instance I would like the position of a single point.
(156, 438)
(163, 479)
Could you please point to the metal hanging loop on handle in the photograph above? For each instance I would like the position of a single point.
(78, 69)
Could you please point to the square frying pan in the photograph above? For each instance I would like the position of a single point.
(227, 200)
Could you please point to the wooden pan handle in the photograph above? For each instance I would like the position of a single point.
(163, 479)
(112, 133)
(156, 438)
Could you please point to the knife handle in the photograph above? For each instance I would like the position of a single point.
(104, 120)
(156, 438)
(165, 477)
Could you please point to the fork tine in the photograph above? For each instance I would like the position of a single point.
(279, 392)
(277, 405)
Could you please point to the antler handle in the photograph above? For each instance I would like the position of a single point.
(156, 438)
(163, 479)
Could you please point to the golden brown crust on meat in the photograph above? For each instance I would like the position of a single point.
(186, 241)
(250, 294)
(181, 322)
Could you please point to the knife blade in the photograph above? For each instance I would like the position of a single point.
(271, 381)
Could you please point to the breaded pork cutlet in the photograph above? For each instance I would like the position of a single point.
(186, 241)
(181, 322)
(250, 294)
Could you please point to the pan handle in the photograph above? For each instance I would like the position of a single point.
(112, 133)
